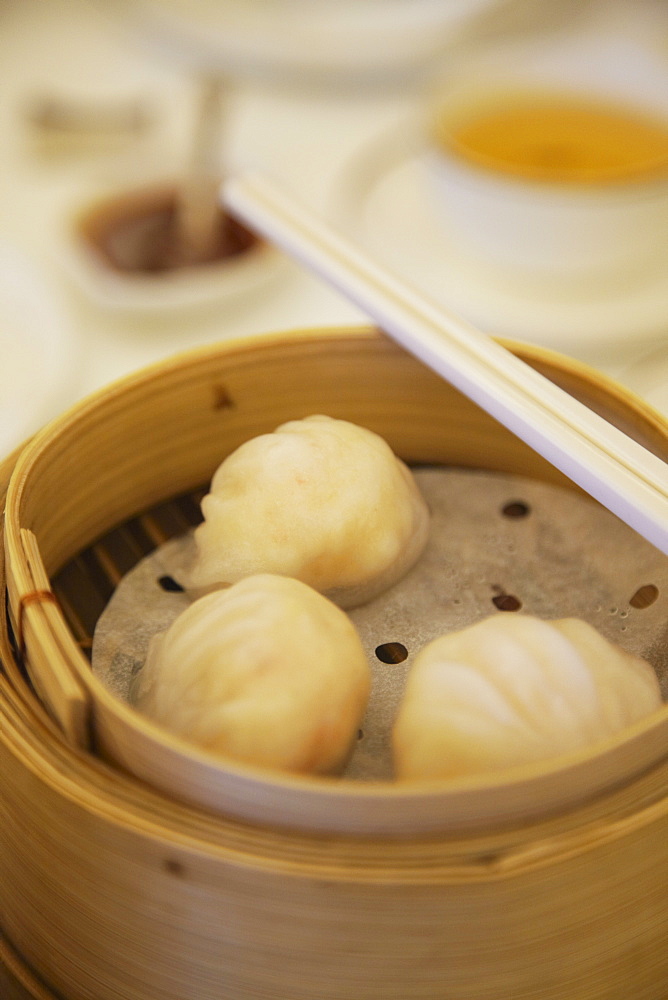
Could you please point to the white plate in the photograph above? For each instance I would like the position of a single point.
(384, 202)
(319, 40)
(38, 363)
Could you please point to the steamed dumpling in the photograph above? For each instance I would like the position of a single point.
(267, 671)
(319, 499)
(514, 689)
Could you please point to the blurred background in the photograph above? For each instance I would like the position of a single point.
(120, 118)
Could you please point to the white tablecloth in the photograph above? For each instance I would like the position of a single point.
(306, 138)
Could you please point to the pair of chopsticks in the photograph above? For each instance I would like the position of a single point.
(614, 469)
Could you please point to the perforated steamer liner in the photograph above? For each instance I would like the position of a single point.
(532, 887)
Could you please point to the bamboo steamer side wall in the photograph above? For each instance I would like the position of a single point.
(17, 981)
(134, 903)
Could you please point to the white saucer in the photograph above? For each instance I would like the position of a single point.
(37, 363)
(383, 201)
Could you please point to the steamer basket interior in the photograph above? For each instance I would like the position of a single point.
(129, 465)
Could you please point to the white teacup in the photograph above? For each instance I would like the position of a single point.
(551, 180)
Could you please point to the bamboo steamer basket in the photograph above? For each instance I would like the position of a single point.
(134, 867)
(17, 981)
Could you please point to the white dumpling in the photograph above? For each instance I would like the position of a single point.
(319, 499)
(513, 689)
(267, 671)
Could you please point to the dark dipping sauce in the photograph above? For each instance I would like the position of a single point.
(137, 233)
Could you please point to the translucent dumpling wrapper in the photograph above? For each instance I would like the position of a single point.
(268, 672)
(319, 499)
(511, 690)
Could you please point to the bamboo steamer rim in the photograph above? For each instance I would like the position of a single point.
(251, 794)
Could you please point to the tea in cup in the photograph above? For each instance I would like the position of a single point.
(549, 184)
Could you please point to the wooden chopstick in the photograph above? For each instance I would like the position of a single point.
(613, 468)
